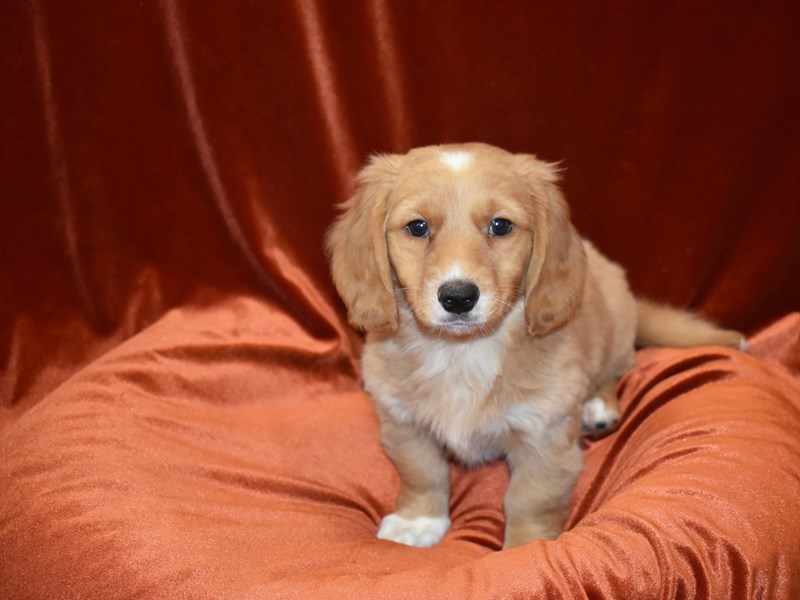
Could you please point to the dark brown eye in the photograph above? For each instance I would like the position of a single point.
(500, 227)
(418, 228)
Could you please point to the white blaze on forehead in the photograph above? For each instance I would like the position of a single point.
(458, 161)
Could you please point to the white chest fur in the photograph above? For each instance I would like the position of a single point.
(446, 387)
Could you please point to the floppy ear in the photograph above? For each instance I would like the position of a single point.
(557, 269)
(356, 245)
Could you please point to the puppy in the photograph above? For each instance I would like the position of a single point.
(489, 324)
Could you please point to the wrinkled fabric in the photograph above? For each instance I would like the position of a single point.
(216, 455)
(180, 408)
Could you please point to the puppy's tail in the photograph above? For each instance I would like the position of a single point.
(659, 325)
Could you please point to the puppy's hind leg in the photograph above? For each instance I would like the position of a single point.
(601, 412)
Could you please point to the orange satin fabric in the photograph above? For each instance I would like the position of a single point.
(207, 457)
(180, 412)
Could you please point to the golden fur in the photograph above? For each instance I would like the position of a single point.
(542, 322)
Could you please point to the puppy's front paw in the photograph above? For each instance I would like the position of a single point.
(421, 532)
(523, 534)
(598, 415)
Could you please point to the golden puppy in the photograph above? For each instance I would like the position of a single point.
(489, 323)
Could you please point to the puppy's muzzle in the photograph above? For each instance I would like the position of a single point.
(458, 296)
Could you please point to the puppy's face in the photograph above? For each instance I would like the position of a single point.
(459, 233)
(463, 233)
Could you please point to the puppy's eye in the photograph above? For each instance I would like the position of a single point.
(500, 227)
(418, 228)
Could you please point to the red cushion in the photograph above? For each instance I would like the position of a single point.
(202, 458)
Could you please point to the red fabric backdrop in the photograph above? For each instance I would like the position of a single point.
(156, 151)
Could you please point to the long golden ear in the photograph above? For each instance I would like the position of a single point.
(557, 269)
(356, 245)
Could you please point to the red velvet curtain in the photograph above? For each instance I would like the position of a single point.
(158, 153)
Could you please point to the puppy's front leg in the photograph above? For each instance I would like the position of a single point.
(421, 517)
(538, 493)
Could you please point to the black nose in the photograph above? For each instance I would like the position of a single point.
(458, 296)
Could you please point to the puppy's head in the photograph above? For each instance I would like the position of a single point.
(461, 234)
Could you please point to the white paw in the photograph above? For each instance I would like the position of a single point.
(421, 532)
(597, 416)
